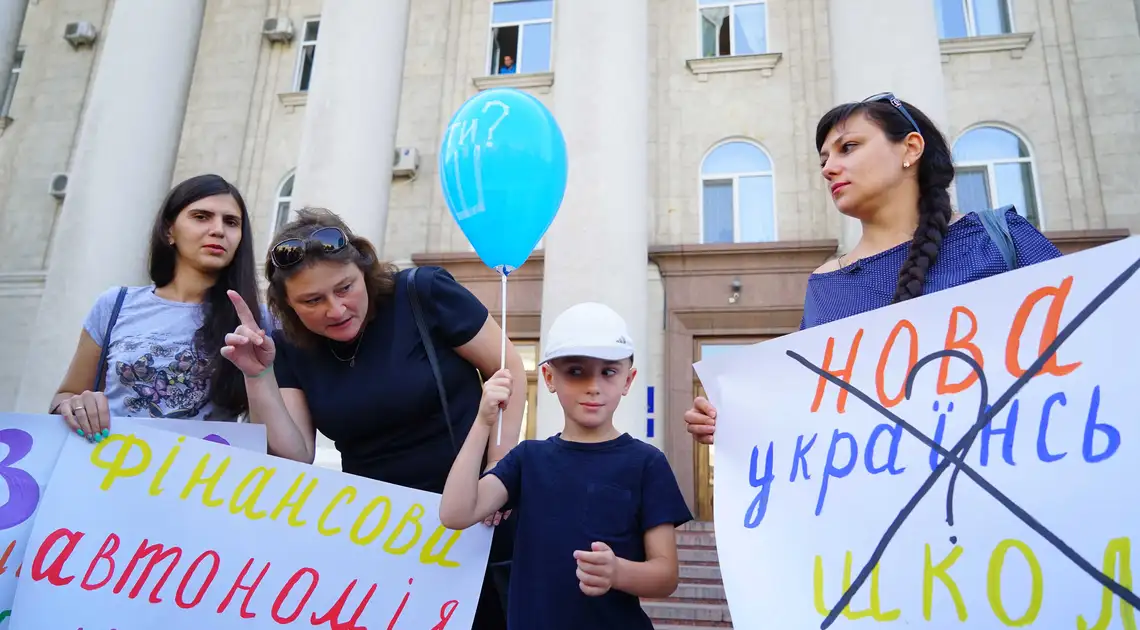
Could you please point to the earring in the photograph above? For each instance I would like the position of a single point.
(906, 164)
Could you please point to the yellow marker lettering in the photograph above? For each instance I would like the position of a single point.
(941, 571)
(156, 483)
(817, 586)
(354, 533)
(1117, 548)
(297, 504)
(197, 478)
(993, 583)
(412, 516)
(874, 611)
(117, 468)
(429, 556)
(247, 505)
(348, 493)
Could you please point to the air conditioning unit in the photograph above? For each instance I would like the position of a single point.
(406, 162)
(80, 33)
(57, 187)
(278, 29)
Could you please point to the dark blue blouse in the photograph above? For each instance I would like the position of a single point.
(967, 254)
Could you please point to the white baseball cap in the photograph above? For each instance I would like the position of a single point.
(588, 329)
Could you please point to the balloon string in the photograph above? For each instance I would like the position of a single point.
(502, 351)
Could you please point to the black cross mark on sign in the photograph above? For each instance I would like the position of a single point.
(956, 454)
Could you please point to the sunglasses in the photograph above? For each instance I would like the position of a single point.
(888, 97)
(328, 240)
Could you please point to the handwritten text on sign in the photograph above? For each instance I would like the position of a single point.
(958, 459)
(154, 528)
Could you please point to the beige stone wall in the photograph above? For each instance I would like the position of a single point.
(1072, 92)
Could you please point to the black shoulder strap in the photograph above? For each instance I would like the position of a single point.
(429, 347)
(102, 373)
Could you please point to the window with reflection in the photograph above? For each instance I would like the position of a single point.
(971, 18)
(994, 168)
(733, 27)
(738, 203)
(521, 36)
(283, 202)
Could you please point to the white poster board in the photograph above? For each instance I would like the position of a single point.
(245, 435)
(813, 485)
(153, 530)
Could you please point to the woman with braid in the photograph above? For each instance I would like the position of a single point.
(889, 167)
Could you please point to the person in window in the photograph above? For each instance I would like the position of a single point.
(888, 166)
(508, 65)
(162, 352)
(349, 361)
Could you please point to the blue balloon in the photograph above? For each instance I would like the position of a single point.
(502, 166)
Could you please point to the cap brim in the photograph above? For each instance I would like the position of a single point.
(608, 353)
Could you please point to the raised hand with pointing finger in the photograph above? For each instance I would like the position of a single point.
(248, 347)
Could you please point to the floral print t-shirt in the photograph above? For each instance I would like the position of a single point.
(153, 369)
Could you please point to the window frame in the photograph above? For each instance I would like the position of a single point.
(735, 176)
(988, 166)
(732, 4)
(490, 63)
(299, 64)
(275, 225)
(971, 23)
(13, 79)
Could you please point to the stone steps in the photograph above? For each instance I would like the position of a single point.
(699, 601)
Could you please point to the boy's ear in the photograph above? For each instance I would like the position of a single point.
(629, 380)
(548, 377)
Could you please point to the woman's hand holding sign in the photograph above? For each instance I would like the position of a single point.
(700, 420)
(248, 347)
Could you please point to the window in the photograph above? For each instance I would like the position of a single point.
(304, 74)
(10, 90)
(521, 36)
(733, 27)
(283, 202)
(995, 168)
(737, 195)
(529, 351)
(970, 18)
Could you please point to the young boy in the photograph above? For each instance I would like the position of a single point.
(596, 508)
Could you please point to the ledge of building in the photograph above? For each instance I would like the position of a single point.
(704, 66)
(1015, 43)
(22, 283)
(467, 266)
(1072, 241)
(538, 81)
(777, 257)
(293, 100)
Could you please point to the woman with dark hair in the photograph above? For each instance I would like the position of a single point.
(888, 166)
(352, 362)
(157, 347)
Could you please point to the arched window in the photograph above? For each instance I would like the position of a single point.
(738, 202)
(995, 168)
(282, 203)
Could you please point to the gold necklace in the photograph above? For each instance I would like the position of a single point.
(351, 360)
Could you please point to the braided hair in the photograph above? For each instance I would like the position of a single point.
(935, 172)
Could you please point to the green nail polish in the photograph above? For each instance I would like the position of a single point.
(106, 432)
(98, 437)
(79, 431)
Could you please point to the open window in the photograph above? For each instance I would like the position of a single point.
(521, 33)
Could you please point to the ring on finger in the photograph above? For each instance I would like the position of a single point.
(78, 409)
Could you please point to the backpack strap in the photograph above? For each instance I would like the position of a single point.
(429, 348)
(996, 226)
(102, 372)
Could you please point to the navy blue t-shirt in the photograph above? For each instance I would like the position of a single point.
(568, 495)
(384, 413)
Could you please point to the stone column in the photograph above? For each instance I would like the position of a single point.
(120, 172)
(908, 62)
(596, 249)
(349, 139)
(12, 14)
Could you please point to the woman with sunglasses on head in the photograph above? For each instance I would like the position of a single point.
(349, 361)
(888, 166)
(162, 357)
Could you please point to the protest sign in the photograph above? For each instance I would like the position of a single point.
(30, 446)
(149, 529)
(987, 491)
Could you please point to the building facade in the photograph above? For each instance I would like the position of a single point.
(695, 205)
